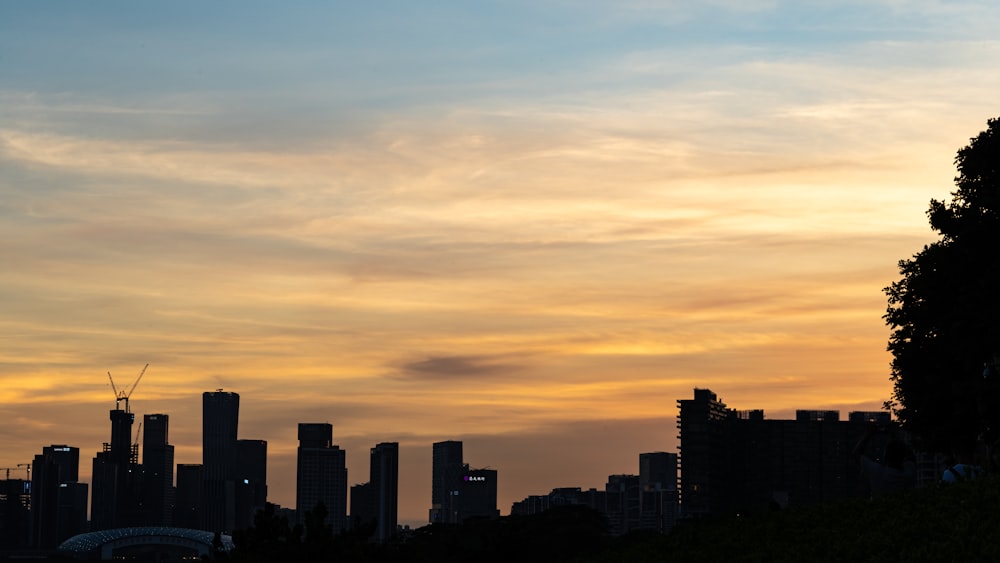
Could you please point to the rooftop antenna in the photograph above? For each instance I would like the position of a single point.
(122, 395)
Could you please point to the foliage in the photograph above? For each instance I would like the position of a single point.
(944, 311)
(940, 523)
(566, 533)
(947, 523)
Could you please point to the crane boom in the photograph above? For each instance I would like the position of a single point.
(122, 395)
(113, 388)
(141, 373)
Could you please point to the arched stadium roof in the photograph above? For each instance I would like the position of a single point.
(148, 535)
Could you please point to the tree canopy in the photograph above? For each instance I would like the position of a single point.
(945, 310)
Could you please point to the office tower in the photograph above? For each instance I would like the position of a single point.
(658, 485)
(737, 461)
(703, 450)
(15, 514)
(321, 475)
(623, 498)
(478, 493)
(114, 501)
(58, 510)
(658, 470)
(189, 502)
(157, 471)
(220, 418)
(384, 492)
(362, 505)
(251, 480)
(447, 470)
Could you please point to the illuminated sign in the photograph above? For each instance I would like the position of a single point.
(474, 478)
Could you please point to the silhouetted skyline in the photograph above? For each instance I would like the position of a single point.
(528, 227)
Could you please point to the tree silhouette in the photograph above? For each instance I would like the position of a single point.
(945, 310)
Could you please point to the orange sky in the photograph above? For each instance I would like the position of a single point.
(537, 256)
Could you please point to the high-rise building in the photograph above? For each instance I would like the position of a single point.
(478, 494)
(321, 475)
(220, 419)
(15, 514)
(703, 451)
(737, 461)
(658, 504)
(115, 495)
(362, 506)
(189, 502)
(157, 471)
(251, 480)
(623, 503)
(58, 509)
(384, 492)
(447, 470)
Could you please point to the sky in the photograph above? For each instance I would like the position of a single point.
(531, 226)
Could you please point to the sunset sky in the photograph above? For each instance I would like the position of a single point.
(531, 226)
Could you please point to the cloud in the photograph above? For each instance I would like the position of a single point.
(457, 367)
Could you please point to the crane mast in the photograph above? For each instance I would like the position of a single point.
(123, 395)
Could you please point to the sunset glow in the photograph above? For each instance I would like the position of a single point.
(528, 226)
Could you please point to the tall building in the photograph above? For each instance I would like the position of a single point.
(115, 495)
(15, 514)
(703, 452)
(321, 475)
(658, 504)
(220, 418)
(738, 461)
(362, 506)
(623, 503)
(447, 470)
(58, 500)
(384, 479)
(251, 480)
(157, 471)
(478, 494)
(189, 501)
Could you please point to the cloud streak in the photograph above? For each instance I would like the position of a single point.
(476, 231)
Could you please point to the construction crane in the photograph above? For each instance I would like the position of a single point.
(18, 468)
(122, 395)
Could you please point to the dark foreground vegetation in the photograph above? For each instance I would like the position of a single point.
(959, 522)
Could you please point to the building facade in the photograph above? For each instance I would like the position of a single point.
(220, 421)
(321, 475)
(157, 471)
(58, 500)
(737, 461)
(447, 470)
(384, 492)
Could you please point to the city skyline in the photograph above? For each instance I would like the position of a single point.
(527, 226)
(321, 435)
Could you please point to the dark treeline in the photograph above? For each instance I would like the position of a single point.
(565, 533)
(955, 522)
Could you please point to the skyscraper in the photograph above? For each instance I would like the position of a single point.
(157, 471)
(251, 480)
(189, 502)
(58, 501)
(220, 418)
(658, 487)
(384, 490)
(447, 470)
(321, 475)
(478, 494)
(15, 514)
(114, 499)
